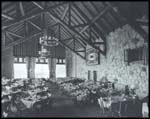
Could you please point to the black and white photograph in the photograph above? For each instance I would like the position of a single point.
(75, 59)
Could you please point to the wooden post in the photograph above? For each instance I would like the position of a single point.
(52, 68)
(30, 67)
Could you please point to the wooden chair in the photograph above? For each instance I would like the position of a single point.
(116, 108)
(145, 111)
(105, 106)
(120, 108)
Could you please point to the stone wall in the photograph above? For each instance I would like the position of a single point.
(113, 65)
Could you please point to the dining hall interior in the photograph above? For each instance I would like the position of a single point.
(74, 59)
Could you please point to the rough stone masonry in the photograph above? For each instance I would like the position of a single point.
(113, 65)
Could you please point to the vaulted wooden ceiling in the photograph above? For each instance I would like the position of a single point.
(75, 24)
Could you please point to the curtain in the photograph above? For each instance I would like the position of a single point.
(52, 68)
(7, 67)
(30, 61)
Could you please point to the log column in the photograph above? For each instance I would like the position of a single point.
(52, 68)
(30, 61)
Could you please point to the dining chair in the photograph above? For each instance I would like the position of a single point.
(105, 106)
(117, 108)
(145, 110)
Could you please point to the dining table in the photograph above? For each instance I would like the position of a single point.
(33, 98)
(126, 104)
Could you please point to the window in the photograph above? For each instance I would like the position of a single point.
(89, 75)
(95, 76)
(20, 70)
(20, 59)
(133, 55)
(41, 71)
(60, 70)
(15, 59)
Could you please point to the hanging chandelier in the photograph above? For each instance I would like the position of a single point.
(45, 42)
(48, 41)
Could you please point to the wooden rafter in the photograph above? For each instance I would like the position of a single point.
(8, 35)
(69, 42)
(7, 17)
(65, 12)
(80, 25)
(72, 37)
(20, 41)
(27, 17)
(133, 23)
(96, 18)
(26, 28)
(69, 14)
(100, 32)
(67, 39)
(80, 50)
(65, 25)
(78, 10)
(139, 29)
(67, 46)
(36, 26)
(21, 9)
(22, 19)
(59, 4)
(16, 35)
(57, 19)
(38, 5)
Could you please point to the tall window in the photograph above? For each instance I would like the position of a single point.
(41, 71)
(20, 70)
(60, 70)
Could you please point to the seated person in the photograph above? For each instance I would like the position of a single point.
(13, 110)
(5, 104)
(16, 106)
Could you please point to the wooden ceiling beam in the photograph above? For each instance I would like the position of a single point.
(7, 17)
(26, 17)
(139, 29)
(57, 5)
(20, 41)
(72, 37)
(67, 39)
(57, 19)
(96, 18)
(132, 22)
(88, 9)
(80, 25)
(38, 5)
(65, 12)
(22, 19)
(8, 35)
(78, 10)
(67, 46)
(16, 35)
(65, 25)
(21, 8)
(36, 26)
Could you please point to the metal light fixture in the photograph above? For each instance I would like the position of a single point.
(47, 41)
